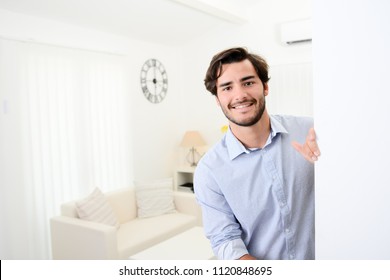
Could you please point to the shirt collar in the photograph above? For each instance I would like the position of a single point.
(236, 148)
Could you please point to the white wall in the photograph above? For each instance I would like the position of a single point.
(154, 126)
(351, 61)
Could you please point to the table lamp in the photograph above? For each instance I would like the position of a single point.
(192, 139)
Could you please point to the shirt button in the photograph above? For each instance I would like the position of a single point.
(287, 230)
(291, 256)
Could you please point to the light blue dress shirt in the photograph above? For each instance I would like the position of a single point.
(259, 201)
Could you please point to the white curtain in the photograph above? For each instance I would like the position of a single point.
(65, 129)
(291, 89)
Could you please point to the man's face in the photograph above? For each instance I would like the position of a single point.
(241, 94)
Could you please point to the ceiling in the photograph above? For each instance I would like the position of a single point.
(158, 21)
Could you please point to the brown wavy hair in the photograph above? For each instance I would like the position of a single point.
(230, 56)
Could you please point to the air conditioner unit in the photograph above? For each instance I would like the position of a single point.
(294, 32)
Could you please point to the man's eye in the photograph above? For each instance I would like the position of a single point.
(249, 83)
(226, 88)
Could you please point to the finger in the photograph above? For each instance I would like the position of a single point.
(304, 151)
(313, 146)
(309, 152)
(311, 136)
(297, 147)
(311, 142)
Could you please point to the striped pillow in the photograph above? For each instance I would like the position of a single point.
(154, 198)
(96, 208)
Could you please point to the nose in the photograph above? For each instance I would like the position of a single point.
(240, 93)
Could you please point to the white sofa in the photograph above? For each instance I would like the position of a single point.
(73, 238)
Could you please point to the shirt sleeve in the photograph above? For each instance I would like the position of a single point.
(232, 250)
(220, 225)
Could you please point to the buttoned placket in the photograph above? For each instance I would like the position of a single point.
(285, 210)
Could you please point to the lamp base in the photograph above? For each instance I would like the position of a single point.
(193, 157)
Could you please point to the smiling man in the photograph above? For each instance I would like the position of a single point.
(256, 186)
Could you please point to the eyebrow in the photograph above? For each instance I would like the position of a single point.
(241, 80)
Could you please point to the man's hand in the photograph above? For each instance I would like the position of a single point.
(309, 150)
(247, 257)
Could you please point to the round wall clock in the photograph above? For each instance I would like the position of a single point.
(154, 80)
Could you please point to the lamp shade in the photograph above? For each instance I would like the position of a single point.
(192, 139)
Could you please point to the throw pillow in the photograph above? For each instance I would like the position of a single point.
(96, 208)
(154, 198)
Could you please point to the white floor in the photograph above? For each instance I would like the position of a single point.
(189, 245)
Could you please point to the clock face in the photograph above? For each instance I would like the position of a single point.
(154, 80)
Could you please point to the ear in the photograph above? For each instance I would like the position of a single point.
(265, 85)
(217, 100)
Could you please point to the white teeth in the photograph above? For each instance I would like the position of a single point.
(242, 106)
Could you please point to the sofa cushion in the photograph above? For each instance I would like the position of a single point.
(96, 208)
(154, 198)
(139, 234)
(123, 203)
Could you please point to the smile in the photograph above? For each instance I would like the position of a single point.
(242, 105)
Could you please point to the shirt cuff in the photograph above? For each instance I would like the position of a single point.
(232, 250)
